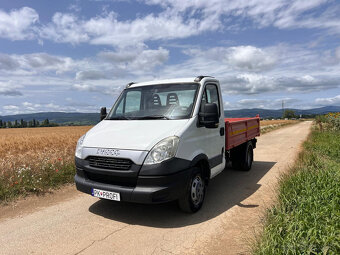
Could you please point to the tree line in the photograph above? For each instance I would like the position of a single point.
(27, 124)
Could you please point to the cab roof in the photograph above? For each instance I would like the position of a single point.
(169, 81)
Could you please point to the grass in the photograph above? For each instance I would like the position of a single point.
(34, 160)
(306, 219)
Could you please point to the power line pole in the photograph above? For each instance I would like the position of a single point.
(283, 108)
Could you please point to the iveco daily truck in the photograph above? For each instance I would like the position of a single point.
(163, 141)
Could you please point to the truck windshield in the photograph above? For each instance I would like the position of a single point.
(165, 101)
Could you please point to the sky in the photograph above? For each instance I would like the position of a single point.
(78, 55)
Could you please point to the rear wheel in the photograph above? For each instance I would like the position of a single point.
(242, 157)
(193, 198)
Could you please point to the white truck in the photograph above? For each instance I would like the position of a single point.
(163, 141)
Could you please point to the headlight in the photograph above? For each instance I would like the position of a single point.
(79, 147)
(163, 150)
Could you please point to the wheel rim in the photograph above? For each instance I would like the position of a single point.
(197, 190)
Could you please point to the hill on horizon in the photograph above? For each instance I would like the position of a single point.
(78, 118)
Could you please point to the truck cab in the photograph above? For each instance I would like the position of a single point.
(161, 141)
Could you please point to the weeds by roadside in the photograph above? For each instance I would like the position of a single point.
(306, 219)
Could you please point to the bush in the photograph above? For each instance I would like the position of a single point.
(330, 121)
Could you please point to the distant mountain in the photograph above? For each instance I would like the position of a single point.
(64, 118)
(75, 118)
(266, 113)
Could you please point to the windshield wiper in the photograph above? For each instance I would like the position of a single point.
(119, 118)
(154, 117)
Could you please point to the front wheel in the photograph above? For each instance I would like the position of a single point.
(193, 198)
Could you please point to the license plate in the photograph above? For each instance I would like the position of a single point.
(106, 194)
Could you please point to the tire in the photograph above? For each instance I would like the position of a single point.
(193, 198)
(242, 158)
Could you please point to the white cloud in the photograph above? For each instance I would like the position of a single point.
(263, 103)
(328, 101)
(178, 19)
(251, 58)
(39, 62)
(283, 14)
(108, 30)
(88, 87)
(337, 53)
(47, 62)
(64, 28)
(246, 58)
(248, 84)
(29, 107)
(9, 89)
(136, 59)
(257, 84)
(18, 23)
(10, 107)
(90, 75)
(7, 62)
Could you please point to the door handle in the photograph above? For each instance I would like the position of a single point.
(222, 131)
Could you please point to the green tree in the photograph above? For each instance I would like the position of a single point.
(16, 124)
(46, 123)
(9, 124)
(289, 114)
(34, 123)
(0, 123)
(37, 124)
(22, 123)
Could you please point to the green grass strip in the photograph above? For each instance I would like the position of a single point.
(306, 219)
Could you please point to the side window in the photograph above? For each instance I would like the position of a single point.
(211, 96)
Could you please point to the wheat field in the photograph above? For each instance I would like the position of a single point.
(35, 159)
(276, 122)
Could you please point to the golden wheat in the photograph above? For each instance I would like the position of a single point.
(35, 159)
(33, 147)
(276, 122)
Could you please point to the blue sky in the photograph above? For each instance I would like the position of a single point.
(77, 55)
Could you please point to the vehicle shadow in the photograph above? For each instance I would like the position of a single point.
(226, 190)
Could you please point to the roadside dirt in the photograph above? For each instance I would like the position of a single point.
(69, 222)
(30, 204)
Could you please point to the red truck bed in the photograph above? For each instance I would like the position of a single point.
(240, 130)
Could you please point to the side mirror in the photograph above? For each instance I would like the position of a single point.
(208, 115)
(103, 113)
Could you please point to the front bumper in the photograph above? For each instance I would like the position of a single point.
(132, 186)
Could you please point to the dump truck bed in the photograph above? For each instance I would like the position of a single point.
(240, 130)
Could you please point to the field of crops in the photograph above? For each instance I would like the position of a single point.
(36, 159)
(270, 125)
(276, 122)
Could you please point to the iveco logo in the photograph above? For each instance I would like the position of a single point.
(108, 152)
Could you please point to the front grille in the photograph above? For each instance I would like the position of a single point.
(110, 163)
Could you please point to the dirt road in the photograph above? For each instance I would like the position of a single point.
(233, 208)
